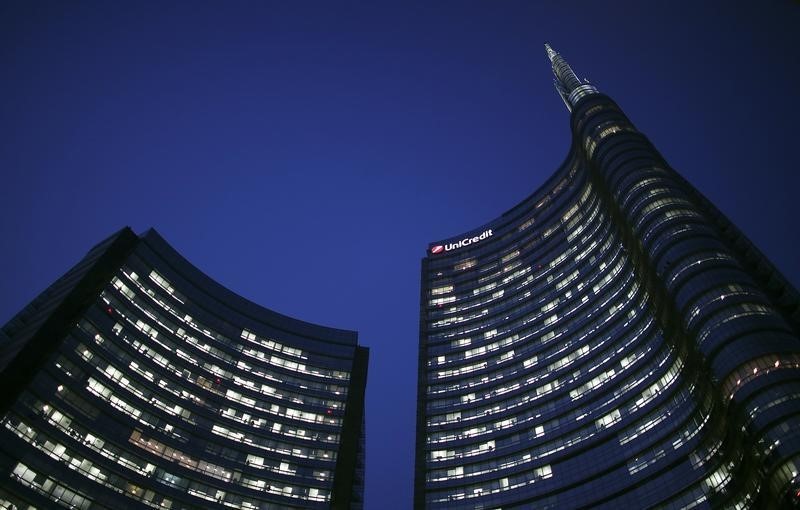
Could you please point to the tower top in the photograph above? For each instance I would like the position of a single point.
(567, 84)
(551, 53)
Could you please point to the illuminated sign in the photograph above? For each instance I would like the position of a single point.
(439, 248)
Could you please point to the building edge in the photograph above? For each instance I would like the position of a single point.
(353, 434)
(35, 331)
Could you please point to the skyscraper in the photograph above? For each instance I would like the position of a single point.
(611, 341)
(135, 381)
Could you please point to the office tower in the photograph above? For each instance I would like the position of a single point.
(612, 341)
(135, 381)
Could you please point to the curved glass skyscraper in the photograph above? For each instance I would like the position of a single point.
(135, 381)
(612, 341)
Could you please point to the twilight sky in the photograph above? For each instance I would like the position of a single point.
(303, 154)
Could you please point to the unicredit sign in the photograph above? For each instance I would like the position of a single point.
(440, 248)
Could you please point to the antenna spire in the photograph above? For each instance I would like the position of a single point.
(567, 84)
(551, 53)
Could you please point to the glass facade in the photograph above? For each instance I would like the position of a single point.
(138, 382)
(613, 342)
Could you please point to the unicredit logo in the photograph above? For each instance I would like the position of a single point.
(439, 248)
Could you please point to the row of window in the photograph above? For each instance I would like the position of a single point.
(214, 371)
(513, 326)
(279, 448)
(502, 277)
(559, 443)
(156, 397)
(532, 414)
(154, 341)
(531, 298)
(215, 337)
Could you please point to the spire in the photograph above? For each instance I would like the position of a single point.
(567, 84)
(551, 53)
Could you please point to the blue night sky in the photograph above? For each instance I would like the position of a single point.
(304, 154)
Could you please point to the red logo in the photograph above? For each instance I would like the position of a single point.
(437, 249)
